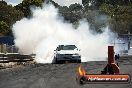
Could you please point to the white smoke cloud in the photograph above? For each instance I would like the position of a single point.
(46, 29)
(68, 2)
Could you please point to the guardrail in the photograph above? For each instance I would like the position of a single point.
(15, 57)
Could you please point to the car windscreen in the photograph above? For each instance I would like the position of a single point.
(66, 47)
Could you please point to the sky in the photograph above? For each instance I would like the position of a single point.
(60, 2)
(67, 2)
(13, 2)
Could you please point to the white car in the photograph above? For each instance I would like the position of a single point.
(67, 53)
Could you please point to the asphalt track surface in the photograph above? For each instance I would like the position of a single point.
(58, 75)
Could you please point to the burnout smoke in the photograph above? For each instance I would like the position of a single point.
(46, 29)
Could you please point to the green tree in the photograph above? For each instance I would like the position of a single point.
(8, 16)
(4, 28)
(26, 5)
(75, 7)
(121, 16)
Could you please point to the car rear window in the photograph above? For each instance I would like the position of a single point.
(66, 47)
